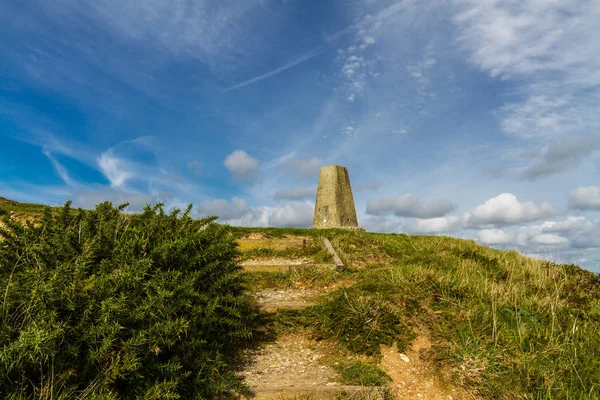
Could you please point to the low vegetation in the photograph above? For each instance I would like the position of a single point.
(363, 373)
(24, 209)
(103, 305)
(502, 325)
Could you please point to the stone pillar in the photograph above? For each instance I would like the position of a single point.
(335, 203)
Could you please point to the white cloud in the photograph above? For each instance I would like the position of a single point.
(60, 169)
(549, 239)
(434, 225)
(505, 209)
(210, 31)
(585, 198)
(549, 233)
(409, 205)
(297, 214)
(296, 193)
(114, 169)
(554, 42)
(236, 208)
(494, 236)
(238, 212)
(569, 224)
(242, 165)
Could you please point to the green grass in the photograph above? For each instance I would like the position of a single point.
(502, 325)
(27, 209)
(363, 373)
(314, 250)
(309, 277)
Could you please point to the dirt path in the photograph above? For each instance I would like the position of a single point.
(285, 299)
(296, 367)
(292, 361)
(415, 378)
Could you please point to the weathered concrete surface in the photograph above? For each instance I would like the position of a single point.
(335, 203)
(336, 259)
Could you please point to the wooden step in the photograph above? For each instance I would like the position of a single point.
(256, 267)
(272, 300)
(309, 392)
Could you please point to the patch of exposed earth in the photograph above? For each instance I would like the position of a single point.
(256, 240)
(295, 367)
(273, 299)
(413, 377)
(272, 261)
(291, 361)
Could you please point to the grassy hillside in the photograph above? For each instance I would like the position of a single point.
(22, 209)
(503, 326)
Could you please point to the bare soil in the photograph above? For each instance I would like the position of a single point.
(291, 298)
(290, 365)
(256, 240)
(413, 377)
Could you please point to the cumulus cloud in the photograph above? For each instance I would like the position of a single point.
(569, 224)
(560, 156)
(505, 209)
(494, 236)
(242, 165)
(297, 214)
(585, 198)
(238, 212)
(524, 237)
(548, 239)
(434, 225)
(297, 193)
(409, 205)
(236, 208)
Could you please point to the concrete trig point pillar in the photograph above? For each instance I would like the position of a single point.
(335, 204)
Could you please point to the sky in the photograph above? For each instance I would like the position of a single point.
(478, 119)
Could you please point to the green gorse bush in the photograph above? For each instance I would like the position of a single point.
(106, 305)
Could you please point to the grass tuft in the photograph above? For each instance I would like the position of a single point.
(363, 373)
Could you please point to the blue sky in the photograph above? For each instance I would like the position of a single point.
(473, 118)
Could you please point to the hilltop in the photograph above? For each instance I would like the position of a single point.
(413, 317)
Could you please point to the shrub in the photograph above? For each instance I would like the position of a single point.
(102, 304)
